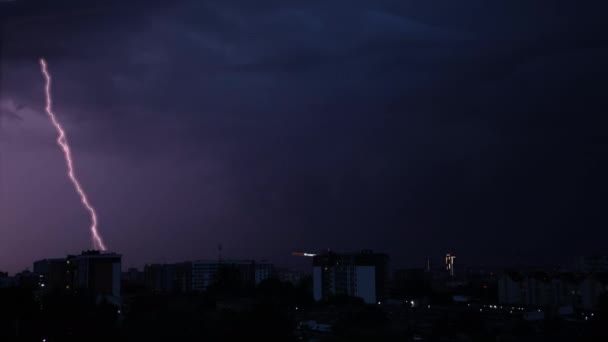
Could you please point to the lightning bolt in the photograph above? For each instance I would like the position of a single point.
(62, 141)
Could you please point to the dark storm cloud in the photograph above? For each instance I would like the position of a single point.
(439, 121)
(9, 110)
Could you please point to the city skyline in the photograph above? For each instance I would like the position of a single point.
(411, 129)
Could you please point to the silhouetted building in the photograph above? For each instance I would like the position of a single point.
(182, 277)
(133, 277)
(53, 274)
(542, 289)
(289, 276)
(96, 273)
(27, 279)
(200, 274)
(592, 288)
(411, 283)
(251, 272)
(510, 288)
(595, 264)
(361, 275)
(6, 281)
(567, 290)
(537, 290)
(449, 264)
(159, 277)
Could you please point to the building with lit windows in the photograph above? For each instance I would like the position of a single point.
(449, 264)
(52, 273)
(91, 272)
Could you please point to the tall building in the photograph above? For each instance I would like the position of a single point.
(449, 264)
(96, 273)
(91, 272)
(53, 274)
(363, 275)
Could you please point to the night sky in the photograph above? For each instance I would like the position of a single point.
(410, 127)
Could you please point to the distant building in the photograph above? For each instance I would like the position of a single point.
(182, 277)
(288, 276)
(592, 288)
(6, 281)
(449, 264)
(510, 288)
(537, 290)
(200, 274)
(540, 289)
(411, 283)
(361, 275)
(133, 277)
(27, 279)
(252, 272)
(159, 277)
(592, 264)
(566, 290)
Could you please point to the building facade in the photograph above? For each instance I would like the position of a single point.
(200, 274)
(510, 289)
(159, 277)
(592, 289)
(53, 274)
(592, 264)
(252, 272)
(91, 272)
(540, 289)
(96, 273)
(363, 275)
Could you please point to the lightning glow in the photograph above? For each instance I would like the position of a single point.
(62, 141)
